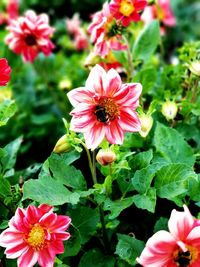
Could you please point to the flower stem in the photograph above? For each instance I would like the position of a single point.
(130, 60)
(91, 163)
(104, 232)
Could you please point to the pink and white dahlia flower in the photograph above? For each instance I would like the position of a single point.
(5, 71)
(178, 247)
(35, 234)
(30, 35)
(105, 107)
(127, 11)
(105, 33)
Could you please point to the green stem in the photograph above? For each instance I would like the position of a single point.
(104, 232)
(92, 170)
(94, 165)
(195, 91)
(130, 60)
(5, 206)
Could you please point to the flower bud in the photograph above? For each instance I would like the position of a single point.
(194, 67)
(105, 156)
(91, 60)
(169, 110)
(65, 84)
(62, 145)
(146, 124)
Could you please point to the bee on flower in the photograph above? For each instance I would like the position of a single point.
(105, 107)
(178, 247)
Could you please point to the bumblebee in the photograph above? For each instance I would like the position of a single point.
(184, 259)
(101, 114)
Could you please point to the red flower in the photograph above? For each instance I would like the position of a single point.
(35, 234)
(126, 11)
(5, 71)
(30, 35)
(178, 247)
(105, 108)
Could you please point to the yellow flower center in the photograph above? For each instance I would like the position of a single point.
(106, 110)
(160, 13)
(126, 7)
(36, 237)
(185, 258)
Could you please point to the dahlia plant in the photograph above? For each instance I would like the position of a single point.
(99, 133)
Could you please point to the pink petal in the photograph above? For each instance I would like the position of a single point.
(16, 251)
(129, 95)
(28, 259)
(194, 237)
(80, 95)
(129, 121)
(82, 124)
(62, 223)
(82, 109)
(114, 133)
(62, 236)
(95, 79)
(95, 136)
(158, 250)
(56, 247)
(48, 219)
(9, 237)
(112, 83)
(45, 259)
(180, 223)
(44, 208)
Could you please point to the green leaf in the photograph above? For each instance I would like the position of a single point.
(95, 258)
(67, 175)
(129, 248)
(116, 207)
(147, 77)
(173, 180)
(146, 201)
(49, 191)
(161, 224)
(85, 220)
(7, 110)
(9, 158)
(147, 41)
(143, 178)
(172, 146)
(73, 245)
(4, 188)
(141, 160)
(66, 158)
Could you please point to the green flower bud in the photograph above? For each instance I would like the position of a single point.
(146, 124)
(194, 67)
(169, 110)
(62, 145)
(105, 156)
